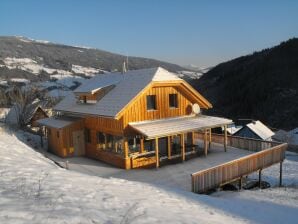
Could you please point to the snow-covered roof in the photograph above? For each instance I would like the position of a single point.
(260, 129)
(57, 122)
(127, 86)
(99, 82)
(171, 126)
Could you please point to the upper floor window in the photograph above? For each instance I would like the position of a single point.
(151, 102)
(173, 100)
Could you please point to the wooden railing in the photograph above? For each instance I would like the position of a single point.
(249, 144)
(214, 177)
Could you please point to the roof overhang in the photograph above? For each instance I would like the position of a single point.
(173, 126)
(58, 123)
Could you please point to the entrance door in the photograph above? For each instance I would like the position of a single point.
(79, 143)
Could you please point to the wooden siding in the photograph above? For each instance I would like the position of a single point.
(106, 125)
(227, 172)
(62, 143)
(138, 110)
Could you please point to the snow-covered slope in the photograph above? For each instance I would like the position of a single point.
(34, 190)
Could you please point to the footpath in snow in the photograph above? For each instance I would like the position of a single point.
(34, 190)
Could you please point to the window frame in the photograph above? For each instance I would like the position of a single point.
(150, 104)
(175, 104)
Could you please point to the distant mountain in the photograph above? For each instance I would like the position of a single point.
(263, 85)
(197, 68)
(22, 57)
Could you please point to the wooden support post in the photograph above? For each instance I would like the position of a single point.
(240, 183)
(182, 147)
(142, 145)
(205, 142)
(125, 148)
(210, 138)
(280, 173)
(260, 178)
(226, 138)
(156, 152)
(193, 141)
(169, 147)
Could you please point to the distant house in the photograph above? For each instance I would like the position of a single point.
(34, 113)
(232, 129)
(256, 130)
(130, 119)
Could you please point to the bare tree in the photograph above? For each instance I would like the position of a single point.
(24, 101)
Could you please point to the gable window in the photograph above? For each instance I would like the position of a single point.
(173, 100)
(151, 102)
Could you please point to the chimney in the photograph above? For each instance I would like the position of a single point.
(124, 67)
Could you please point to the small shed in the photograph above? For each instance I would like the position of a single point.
(256, 130)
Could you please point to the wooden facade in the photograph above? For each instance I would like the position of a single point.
(132, 149)
(38, 114)
(61, 141)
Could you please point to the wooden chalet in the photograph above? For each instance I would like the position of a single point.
(131, 120)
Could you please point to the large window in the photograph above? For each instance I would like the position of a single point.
(109, 142)
(134, 144)
(101, 140)
(173, 100)
(151, 102)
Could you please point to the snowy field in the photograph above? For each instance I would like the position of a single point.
(34, 190)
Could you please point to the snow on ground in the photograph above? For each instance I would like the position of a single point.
(88, 71)
(34, 190)
(30, 65)
(67, 80)
(189, 74)
(57, 93)
(20, 80)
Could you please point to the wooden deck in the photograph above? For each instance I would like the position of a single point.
(266, 154)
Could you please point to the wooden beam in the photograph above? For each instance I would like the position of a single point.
(183, 147)
(240, 183)
(205, 142)
(225, 137)
(156, 152)
(125, 148)
(169, 147)
(142, 145)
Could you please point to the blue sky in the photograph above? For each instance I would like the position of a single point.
(197, 32)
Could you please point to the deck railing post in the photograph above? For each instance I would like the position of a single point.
(156, 152)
